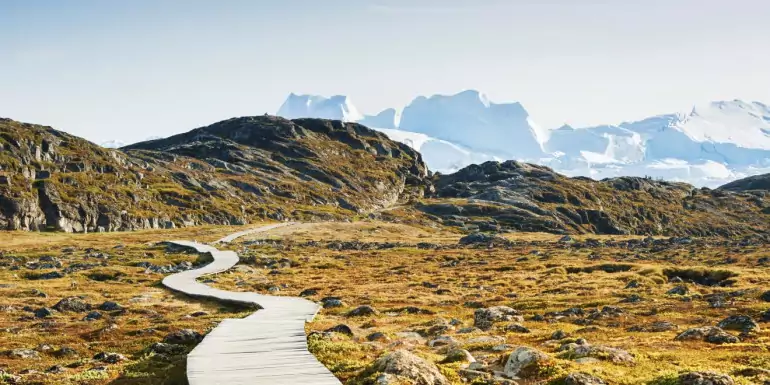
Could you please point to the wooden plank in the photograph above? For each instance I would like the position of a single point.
(267, 347)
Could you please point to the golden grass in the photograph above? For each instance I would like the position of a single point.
(545, 275)
(392, 279)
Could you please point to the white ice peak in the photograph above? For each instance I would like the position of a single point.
(337, 107)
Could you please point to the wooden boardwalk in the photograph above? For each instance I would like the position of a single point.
(267, 347)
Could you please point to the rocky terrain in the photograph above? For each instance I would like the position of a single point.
(232, 172)
(495, 196)
(407, 305)
(752, 183)
(245, 169)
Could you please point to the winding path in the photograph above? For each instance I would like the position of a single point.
(267, 347)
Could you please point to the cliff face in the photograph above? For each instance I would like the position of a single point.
(231, 172)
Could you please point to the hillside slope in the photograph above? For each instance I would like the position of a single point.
(752, 183)
(521, 196)
(230, 172)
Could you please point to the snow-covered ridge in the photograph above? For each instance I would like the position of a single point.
(337, 107)
(707, 145)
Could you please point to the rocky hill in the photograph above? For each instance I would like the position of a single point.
(752, 183)
(528, 197)
(228, 173)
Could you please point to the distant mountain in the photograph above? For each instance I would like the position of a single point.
(309, 106)
(389, 118)
(707, 146)
(244, 169)
(470, 119)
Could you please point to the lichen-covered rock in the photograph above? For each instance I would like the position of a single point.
(183, 337)
(517, 328)
(578, 378)
(526, 362)
(110, 306)
(678, 290)
(23, 354)
(342, 329)
(273, 159)
(110, 358)
(363, 311)
(712, 334)
(72, 304)
(483, 239)
(484, 319)
(458, 355)
(741, 323)
(164, 348)
(404, 364)
(705, 378)
(606, 353)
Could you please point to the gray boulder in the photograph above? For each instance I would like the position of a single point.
(711, 334)
(705, 378)
(403, 364)
(72, 304)
(741, 323)
(484, 319)
(183, 337)
(583, 379)
(526, 362)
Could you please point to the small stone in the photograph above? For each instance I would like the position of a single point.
(442, 341)
(741, 323)
(56, 369)
(714, 335)
(308, 292)
(678, 290)
(517, 328)
(526, 363)
(109, 358)
(402, 363)
(363, 311)
(72, 304)
(164, 348)
(632, 284)
(377, 336)
(43, 312)
(110, 306)
(705, 378)
(92, 316)
(342, 329)
(329, 303)
(633, 298)
(183, 337)
(199, 314)
(558, 335)
(458, 355)
(23, 354)
(484, 319)
(65, 351)
(583, 379)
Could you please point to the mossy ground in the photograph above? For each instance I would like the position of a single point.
(536, 275)
(152, 311)
(532, 276)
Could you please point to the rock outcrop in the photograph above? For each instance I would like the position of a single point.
(231, 172)
(526, 197)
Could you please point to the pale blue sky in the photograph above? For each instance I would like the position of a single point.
(127, 70)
